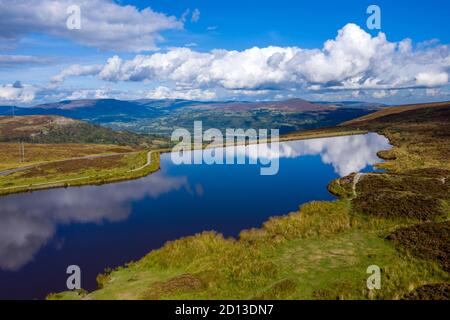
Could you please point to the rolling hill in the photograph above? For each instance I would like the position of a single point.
(395, 110)
(57, 129)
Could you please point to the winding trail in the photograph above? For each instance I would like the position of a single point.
(149, 162)
(356, 179)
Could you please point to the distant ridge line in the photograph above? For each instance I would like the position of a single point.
(396, 110)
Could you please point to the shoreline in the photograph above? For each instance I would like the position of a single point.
(141, 172)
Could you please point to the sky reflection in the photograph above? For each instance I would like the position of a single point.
(29, 221)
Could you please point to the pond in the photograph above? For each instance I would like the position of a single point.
(95, 227)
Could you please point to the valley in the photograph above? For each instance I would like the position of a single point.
(161, 117)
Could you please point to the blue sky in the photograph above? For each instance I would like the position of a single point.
(246, 23)
(206, 48)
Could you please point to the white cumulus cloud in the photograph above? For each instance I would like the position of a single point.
(77, 70)
(17, 93)
(163, 92)
(432, 79)
(105, 24)
(354, 60)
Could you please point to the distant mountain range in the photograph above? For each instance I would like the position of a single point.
(163, 116)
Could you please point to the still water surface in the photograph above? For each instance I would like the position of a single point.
(94, 227)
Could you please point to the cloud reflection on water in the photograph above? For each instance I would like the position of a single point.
(26, 226)
(29, 221)
(346, 154)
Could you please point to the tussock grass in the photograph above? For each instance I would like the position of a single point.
(415, 183)
(315, 219)
(395, 204)
(178, 284)
(427, 241)
(438, 291)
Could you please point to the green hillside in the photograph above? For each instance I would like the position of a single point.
(56, 129)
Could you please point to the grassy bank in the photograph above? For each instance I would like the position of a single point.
(92, 170)
(322, 251)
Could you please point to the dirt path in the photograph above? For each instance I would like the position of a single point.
(149, 161)
(356, 179)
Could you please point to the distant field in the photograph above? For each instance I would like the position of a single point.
(161, 117)
(286, 120)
